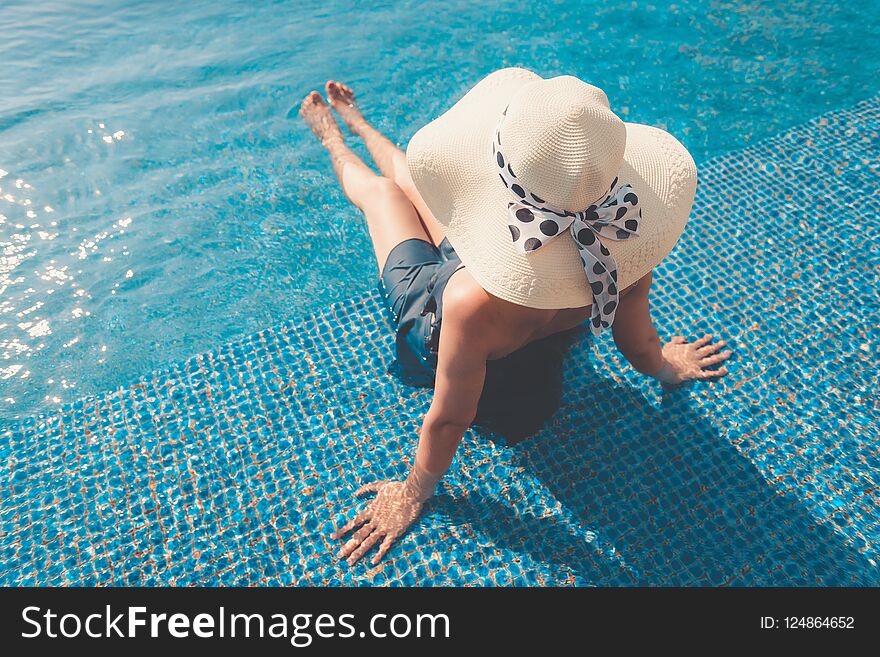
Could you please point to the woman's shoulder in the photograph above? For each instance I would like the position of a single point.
(467, 304)
(463, 296)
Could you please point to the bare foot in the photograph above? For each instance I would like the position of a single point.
(318, 117)
(341, 99)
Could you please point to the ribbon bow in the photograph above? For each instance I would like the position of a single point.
(533, 223)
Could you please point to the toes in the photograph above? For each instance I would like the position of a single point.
(335, 88)
(314, 98)
(342, 88)
(337, 91)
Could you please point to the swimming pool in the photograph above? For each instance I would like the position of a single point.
(158, 199)
(233, 466)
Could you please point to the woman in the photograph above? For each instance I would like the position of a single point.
(526, 209)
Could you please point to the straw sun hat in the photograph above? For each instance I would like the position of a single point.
(568, 151)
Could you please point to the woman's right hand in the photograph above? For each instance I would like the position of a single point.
(396, 506)
(688, 361)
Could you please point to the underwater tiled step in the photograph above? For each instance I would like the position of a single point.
(231, 467)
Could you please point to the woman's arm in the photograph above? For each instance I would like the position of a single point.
(461, 371)
(677, 361)
(634, 332)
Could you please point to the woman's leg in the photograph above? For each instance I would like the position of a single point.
(391, 217)
(388, 157)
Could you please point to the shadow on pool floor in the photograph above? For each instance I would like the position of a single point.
(679, 505)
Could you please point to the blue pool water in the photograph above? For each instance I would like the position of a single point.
(159, 199)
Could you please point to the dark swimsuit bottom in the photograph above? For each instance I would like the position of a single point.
(522, 390)
(412, 283)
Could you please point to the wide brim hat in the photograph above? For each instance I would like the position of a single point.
(566, 146)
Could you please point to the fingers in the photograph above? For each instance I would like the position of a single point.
(677, 339)
(372, 487)
(711, 348)
(702, 341)
(358, 538)
(711, 374)
(714, 360)
(369, 542)
(351, 524)
(386, 545)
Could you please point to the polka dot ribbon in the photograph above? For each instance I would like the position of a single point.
(533, 223)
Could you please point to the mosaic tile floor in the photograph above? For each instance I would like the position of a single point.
(231, 467)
